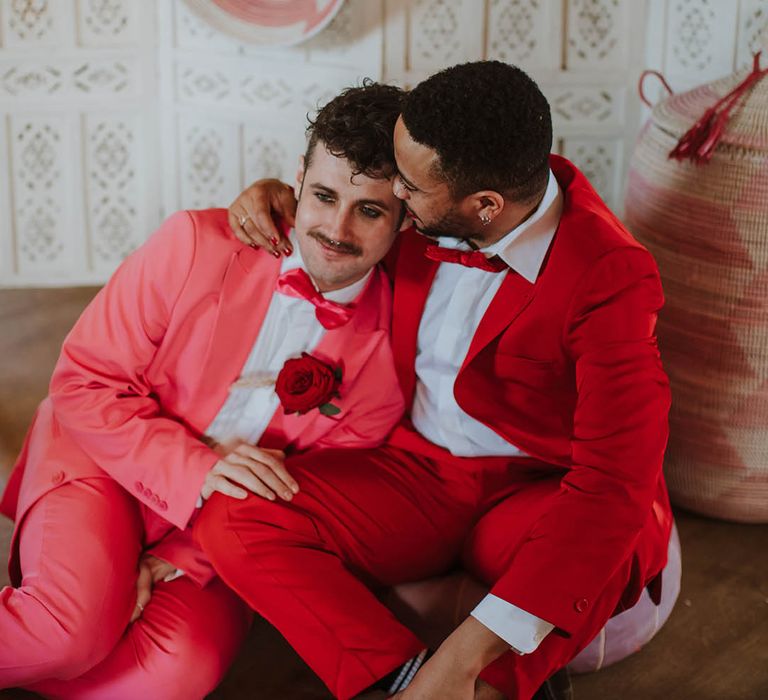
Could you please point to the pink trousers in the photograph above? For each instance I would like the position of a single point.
(65, 631)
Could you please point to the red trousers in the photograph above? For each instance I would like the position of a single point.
(368, 519)
(65, 632)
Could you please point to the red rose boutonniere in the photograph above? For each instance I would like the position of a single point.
(305, 383)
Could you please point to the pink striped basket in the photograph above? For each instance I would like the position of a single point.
(698, 199)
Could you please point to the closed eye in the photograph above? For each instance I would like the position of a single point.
(406, 186)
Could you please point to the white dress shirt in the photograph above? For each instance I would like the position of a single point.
(290, 327)
(457, 301)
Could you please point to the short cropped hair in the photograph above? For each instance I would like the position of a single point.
(490, 126)
(358, 125)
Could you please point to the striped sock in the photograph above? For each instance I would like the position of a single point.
(399, 679)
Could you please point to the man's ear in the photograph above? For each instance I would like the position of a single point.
(486, 205)
(300, 175)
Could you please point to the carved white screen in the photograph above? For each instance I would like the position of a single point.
(116, 113)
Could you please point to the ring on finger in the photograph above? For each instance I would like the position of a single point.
(243, 219)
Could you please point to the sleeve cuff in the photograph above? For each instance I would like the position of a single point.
(173, 576)
(521, 630)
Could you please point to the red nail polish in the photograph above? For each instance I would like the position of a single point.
(287, 252)
(274, 241)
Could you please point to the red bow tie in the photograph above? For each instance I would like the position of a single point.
(468, 258)
(296, 283)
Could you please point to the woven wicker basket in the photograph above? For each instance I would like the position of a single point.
(707, 226)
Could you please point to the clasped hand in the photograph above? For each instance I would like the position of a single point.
(248, 468)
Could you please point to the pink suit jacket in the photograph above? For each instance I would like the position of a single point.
(568, 370)
(150, 362)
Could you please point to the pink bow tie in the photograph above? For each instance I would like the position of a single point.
(296, 283)
(468, 258)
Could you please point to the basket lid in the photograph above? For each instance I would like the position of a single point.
(747, 126)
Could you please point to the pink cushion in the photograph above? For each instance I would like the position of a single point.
(434, 607)
(627, 632)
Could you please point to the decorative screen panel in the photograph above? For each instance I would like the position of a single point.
(239, 112)
(108, 23)
(695, 41)
(76, 182)
(597, 34)
(41, 160)
(585, 55)
(112, 175)
(526, 33)
(115, 113)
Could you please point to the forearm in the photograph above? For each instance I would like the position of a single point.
(102, 392)
(470, 648)
(156, 459)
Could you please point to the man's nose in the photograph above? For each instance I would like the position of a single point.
(343, 225)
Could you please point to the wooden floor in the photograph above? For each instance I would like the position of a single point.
(714, 647)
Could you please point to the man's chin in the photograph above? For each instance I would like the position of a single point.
(423, 230)
(326, 278)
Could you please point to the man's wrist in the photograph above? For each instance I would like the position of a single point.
(471, 647)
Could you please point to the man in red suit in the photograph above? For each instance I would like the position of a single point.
(168, 389)
(536, 420)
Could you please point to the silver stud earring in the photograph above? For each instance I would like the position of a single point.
(485, 219)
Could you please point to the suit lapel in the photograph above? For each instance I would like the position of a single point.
(509, 301)
(413, 279)
(242, 307)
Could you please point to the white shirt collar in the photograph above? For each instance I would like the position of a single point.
(345, 295)
(525, 246)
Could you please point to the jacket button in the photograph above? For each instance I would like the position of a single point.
(155, 499)
(148, 493)
(139, 487)
(57, 477)
(581, 605)
(163, 505)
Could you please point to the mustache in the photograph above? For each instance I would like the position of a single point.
(340, 246)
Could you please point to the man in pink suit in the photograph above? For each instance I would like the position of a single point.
(536, 421)
(167, 390)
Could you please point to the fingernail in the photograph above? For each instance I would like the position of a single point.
(295, 488)
(287, 495)
(275, 253)
(271, 497)
(287, 252)
(274, 241)
(253, 245)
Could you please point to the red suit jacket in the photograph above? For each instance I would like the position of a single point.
(568, 370)
(150, 362)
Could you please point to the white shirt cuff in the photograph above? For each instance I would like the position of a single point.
(174, 575)
(521, 630)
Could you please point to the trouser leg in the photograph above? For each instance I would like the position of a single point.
(78, 548)
(361, 519)
(179, 649)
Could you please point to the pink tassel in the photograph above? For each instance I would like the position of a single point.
(699, 142)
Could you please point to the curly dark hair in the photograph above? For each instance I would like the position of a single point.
(358, 126)
(490, 126)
